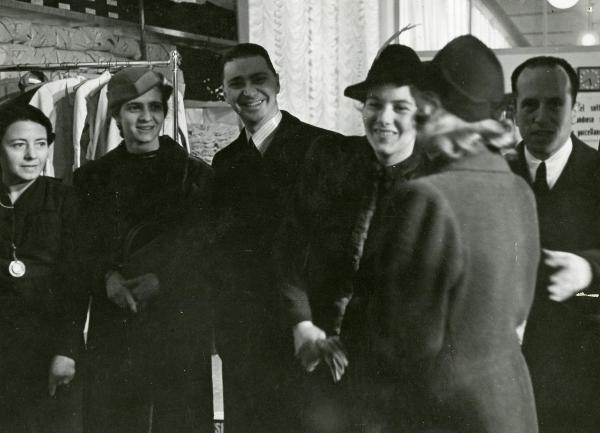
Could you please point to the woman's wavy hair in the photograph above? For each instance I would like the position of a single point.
(445, 136)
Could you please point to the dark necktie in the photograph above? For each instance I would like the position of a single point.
(252, 148)
(540, 184)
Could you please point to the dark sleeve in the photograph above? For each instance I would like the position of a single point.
(593, 258)
(221, 195)
(221, 192)
(292, 247)
(72, 296)
(420, 264)
(296, 238)
(94, 261)
(96, 227)
(200, 206)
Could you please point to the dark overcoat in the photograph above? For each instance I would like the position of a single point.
(42, 312)
(320, 244)
(562, 340)
(323, 231)
(136, 208)
(447, 276)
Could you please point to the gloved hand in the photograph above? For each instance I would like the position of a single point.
(118, 292)
(61, 372)
(333, 352)
(305, 337)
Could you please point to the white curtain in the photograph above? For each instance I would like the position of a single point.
(486, 30)
(318, 47)
(440, 21)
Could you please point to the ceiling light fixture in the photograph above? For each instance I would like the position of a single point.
(563, 4)
(589, 39)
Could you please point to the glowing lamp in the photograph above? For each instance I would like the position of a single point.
(563, 4)
(588, 39)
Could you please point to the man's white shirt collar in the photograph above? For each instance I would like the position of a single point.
(259, 138)
(555, 164)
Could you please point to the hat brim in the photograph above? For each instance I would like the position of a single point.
(357, 91)
(360, 91)
(123, 93)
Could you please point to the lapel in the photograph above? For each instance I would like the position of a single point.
(580, 167)
(241, 156)
(284, 138)
(285, 154)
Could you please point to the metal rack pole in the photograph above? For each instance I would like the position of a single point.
(108, 64)
(175, 61)
(142, 30)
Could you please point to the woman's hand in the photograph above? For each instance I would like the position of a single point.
(118, 293)
(62, 372)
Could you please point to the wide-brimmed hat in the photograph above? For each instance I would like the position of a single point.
(396, 64)
(130, 83)
(467, 77)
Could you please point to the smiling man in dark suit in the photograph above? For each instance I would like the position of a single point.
(253, 176)
(561, 339)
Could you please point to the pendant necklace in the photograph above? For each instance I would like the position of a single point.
(16, 267)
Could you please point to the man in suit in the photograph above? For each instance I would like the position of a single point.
(253, 176)
(560, 342)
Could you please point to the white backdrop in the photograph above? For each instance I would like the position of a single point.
(318, 47)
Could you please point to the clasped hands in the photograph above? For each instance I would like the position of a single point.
(311, 346)
(130, 293)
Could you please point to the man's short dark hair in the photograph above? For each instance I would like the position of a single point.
(15, 112)
(242, 51)
(547, 62)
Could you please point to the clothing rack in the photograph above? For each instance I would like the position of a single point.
(174, 62)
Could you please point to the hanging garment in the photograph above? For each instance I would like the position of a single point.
(104, 133)
(81, 115)
(167, 128)
(56, 99)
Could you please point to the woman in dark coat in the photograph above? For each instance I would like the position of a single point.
(322, 235)
(448, 272)
(40, 322)
(148, 341)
